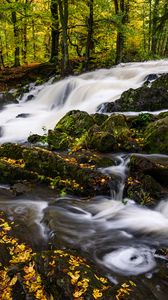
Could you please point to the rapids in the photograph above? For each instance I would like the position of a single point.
(85, 92)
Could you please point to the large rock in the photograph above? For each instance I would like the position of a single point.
(60, 171)
(99, 140)
(58, 140)
(156, 136)
(162, 81)
(75, 123)
(7, 98)
(141, 99)
(147, 182)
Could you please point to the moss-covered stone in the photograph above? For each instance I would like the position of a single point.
(58, 140)
(116, 124)
(99, 118)
(75, 123)
(100, 140)
(36, 138)
(162, 81)
(156, 136)
(141, 99)
(147, 182)
(10, 150)
(60, 171)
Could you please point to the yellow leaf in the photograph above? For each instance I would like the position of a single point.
(13, 281)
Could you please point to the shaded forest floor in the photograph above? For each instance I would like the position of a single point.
(18, 76)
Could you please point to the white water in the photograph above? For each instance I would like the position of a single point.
(84, 92)
(120, 235)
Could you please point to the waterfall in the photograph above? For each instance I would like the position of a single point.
(85, 92)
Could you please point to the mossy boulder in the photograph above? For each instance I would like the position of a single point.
(147, 182)
(156, 136)
(61, 172)
(141, 99)
(99, 118)
(36, 138)
(58, 140)
(75, 123)
(99, 140)
(116, 124)
(142, 120)
(124, 139)
(162, 81)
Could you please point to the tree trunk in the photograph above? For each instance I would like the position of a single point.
(16, 38)
(54, 32)
(154, 27)
(63, 9)
(121, 9)
(90, 42)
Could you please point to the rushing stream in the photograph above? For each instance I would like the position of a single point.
(119, 235)
(85, 92)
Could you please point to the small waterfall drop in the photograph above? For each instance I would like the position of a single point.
(85, 92)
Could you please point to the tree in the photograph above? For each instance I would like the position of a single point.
(89, 41)
(16, 33)
(121, 10)
(54, 31)
(63, 10)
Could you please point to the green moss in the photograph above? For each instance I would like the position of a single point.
(156, 136)
(75, 123)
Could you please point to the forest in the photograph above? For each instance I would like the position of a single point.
(77, 35)
(83, 149)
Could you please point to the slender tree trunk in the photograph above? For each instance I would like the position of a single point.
(154, 27)
(89, 42)
(34, 40)
(16, 38)
(150, 26)
(54, 32)
(122, 9)
(63, 9)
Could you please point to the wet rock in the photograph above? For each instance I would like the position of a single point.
(7, 98)
(142, 120)
(75, 123)
(20, 188)
(23, 115)
(60, 171)
(141, 99)
(36, 138)
(148, 180)
(156, 136)
(99, 118)
(58, 140)
(150, 78)
(100, 140)
(162, 81)
(29, 97)
(1, 131)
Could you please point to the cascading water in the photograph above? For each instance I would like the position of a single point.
(85, 92)
(117, 233)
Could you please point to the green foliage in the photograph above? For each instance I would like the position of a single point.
(143, 29)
